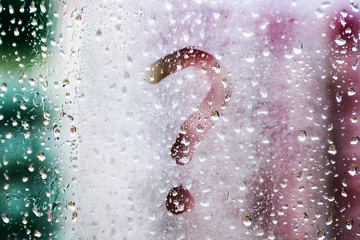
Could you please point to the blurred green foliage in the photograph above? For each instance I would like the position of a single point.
(29, 180)
(24, 27)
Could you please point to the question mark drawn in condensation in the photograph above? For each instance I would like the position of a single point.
(199, 122)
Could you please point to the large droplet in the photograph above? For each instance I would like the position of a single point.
(339, 40)
(5, 218)
(302, 135)
(247, 221)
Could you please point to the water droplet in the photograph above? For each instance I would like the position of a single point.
(356, 64)
(199, 128)
(5, 218)
(204, 202)
(250, 57)
(319, 13)
(66, 82)
(216, 68)
(351, 91)
(248, 33)
(11, 9)
(31, 168)
(152, 78)
(354, 140)
(42, 7)
(74, 216)
(332, 149)
(56, 132)
(338, 97)
(320, 234)
(3, 87)
(16, 32)
(266, 52)
(224, 82)
(325, 4)
(300, 175)
(250, 128)
(37, 233)
(265, 140)
(301, 135)
(216, 14)
(352, 169)
(343, 13)
(8, 135)
(264, 24)
(339, 40)
(283, 184)
(297, 47)
(260, 232)
(227, 97)
(215, 115)
(343, 192)
(40, 156)
(331, 198)
(27, 134)
(349, 223)
(43, 174)
(354, 7)
(184, 160)
(179, 65)
(329, 220)
(72, 205)
(32, 82)
(34, 22)
(70, 118)
(353, 119)
(247, 221)
(242, 185)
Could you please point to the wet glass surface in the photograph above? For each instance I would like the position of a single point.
(179, 119)
(37, 144)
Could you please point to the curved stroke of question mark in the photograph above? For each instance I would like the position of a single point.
(199, 122)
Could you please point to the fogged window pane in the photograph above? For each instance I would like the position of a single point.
(179, 119)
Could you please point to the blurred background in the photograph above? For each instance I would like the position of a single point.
(38, 136)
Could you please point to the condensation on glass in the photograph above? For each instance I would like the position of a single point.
(219, 120)
(179, 119)
(38, 77)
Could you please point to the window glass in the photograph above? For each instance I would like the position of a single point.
(163, 119)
